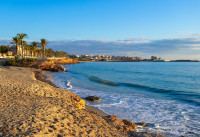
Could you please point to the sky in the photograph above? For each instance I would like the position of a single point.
(166, 28)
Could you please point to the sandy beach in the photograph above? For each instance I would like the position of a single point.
(32, 107)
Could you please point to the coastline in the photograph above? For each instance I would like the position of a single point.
(101, 113)
(44, 77)
(34, 106)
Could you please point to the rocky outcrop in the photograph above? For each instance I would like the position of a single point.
(142, 124)
(47, 65)
(142, 134)
(78, 102)
(129, 123)
(93, 98)
(64, 61)
(123, 126)
(53, 64)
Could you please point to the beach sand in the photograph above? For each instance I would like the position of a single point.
(30, 105)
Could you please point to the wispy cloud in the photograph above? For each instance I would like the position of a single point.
(179, 48)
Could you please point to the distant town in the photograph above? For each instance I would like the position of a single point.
(10, 52)
(99, 58)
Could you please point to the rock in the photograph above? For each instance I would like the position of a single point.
(113, 120)
(78, 102)
(122, 126)
(93, 98)
(64, 61)
(142, 134)
(129, 123)
(49, 66)
(4, 129)
(141, 124)
(112, 117)
(125, 128)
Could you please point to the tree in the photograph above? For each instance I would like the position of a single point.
(38, 51)
(43, 44)
(27, 49)
(16, 41)
(21, 37)
(50, 52)
(3, 49)
(34, 46)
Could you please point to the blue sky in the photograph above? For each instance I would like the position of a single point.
(101, 20)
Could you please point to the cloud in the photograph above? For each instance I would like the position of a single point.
(4, 42)
(179, 48)
(134, 40)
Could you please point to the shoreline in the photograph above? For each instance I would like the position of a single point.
(103, 114)
(44, 77)
(33, 105)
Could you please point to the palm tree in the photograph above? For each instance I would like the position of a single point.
(16, 41)
(50, 52)
(43, 44)
(34, 46)
(25, 48)
(38, 51)
(21, 37)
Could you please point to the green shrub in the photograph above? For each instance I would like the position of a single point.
(31, 59)
(16, 57)
(20, 63)
(12, 62)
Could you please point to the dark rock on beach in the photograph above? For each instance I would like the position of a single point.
(142, 124)
(129, 123)
(142, 134)
(93, 98)
(120, 125)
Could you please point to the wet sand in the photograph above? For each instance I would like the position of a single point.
(30, 105)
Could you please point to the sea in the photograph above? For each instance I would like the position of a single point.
(165, 95)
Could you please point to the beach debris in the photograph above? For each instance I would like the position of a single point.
(93, 98)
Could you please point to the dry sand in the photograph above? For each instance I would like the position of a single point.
(32, 107)
(29, 107)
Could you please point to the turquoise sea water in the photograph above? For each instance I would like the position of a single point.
(164, 94)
